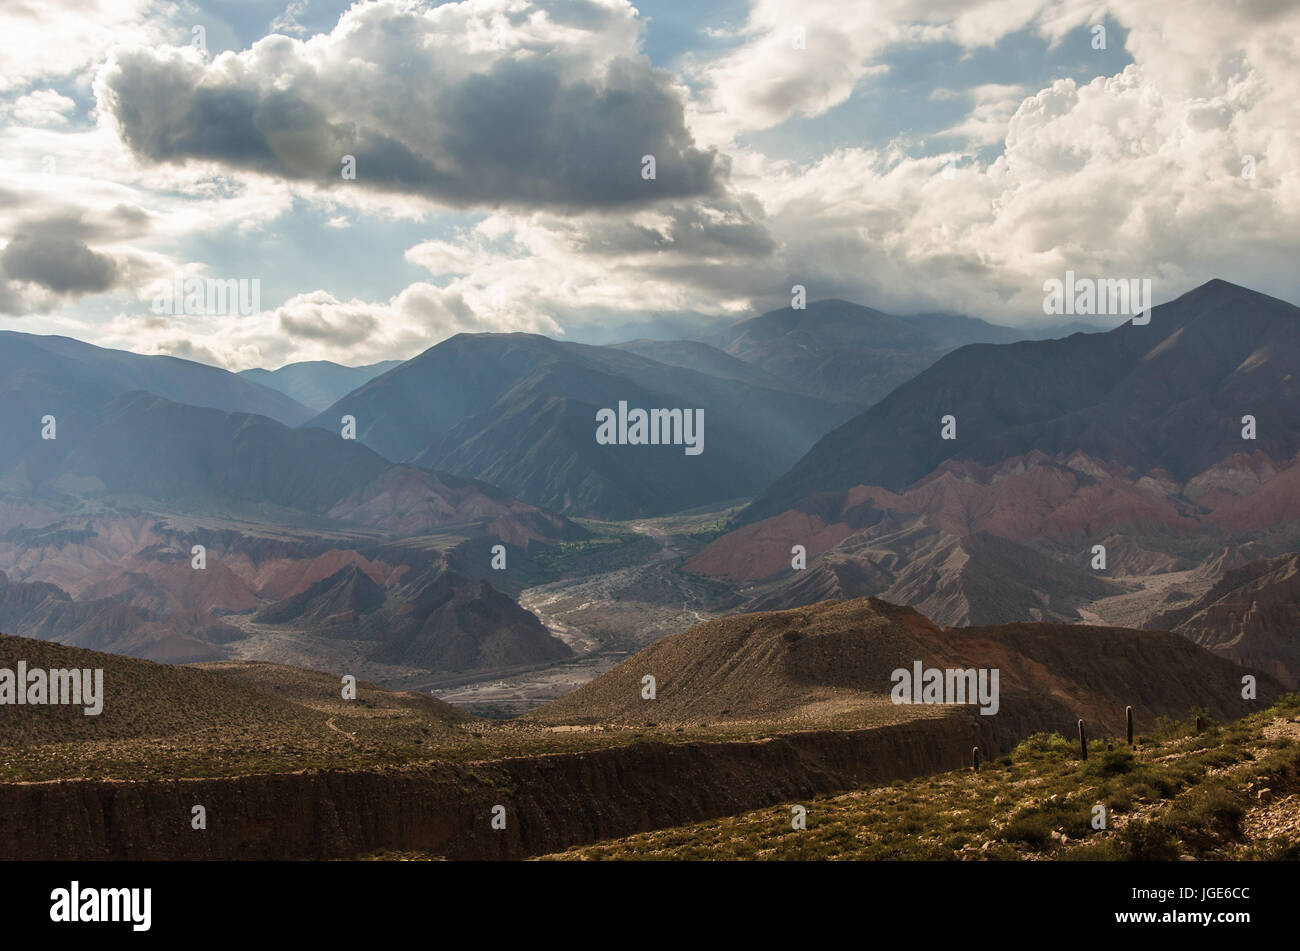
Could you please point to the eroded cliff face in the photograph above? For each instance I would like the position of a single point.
(552, 802)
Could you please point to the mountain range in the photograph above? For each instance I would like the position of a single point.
(317, 383)
(846, 353)
(520, 411)
(1169, 446)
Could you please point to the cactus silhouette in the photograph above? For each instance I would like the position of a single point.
(975, 758)
(1128, 718)
(1083, 742)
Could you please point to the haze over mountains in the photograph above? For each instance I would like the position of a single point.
(65, 377)
(846, 353)
(1169, 395)
(376, 549)
(102, 509)
(317, 383)
(519, 411)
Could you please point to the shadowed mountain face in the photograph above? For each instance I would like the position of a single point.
(433, 618)
(1169, 395)
(339, 599)
(317, 383)
(694, 355)
(145, 447)
(1252, 616)
(98, 525)
(66, 378)
(1131, 439)
(849, 354)
(519, 411)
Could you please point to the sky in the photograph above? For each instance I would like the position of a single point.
(390, 173)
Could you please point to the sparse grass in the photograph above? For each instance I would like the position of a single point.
(1187, 795)
(711, 530)
(578, 559)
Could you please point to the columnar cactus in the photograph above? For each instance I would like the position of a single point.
(1083, 742)
(1128, 718)
(975, 758)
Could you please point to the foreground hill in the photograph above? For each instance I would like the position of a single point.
(1250, 616)
(1232, 792)
(519, 411)
(201, 720)
(822, 664)
(264, 746)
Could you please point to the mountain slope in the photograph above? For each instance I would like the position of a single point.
(812, 664)
(850, 354)
(1169, 395)
(59, 375)
(44, 611)
(519, 411)
(317, 383)
(340, 598)
(695, 355)
(219, 718)
(442, 620)
(1250, 616)
(975, 579)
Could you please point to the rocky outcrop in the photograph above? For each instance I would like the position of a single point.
(1251, 616)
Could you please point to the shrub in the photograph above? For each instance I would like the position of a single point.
(1149, 842)
(1205, 815)
(1041, 745)
(1033, 829)
(1111, 763)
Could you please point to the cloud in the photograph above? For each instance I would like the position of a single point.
(44, 39)
(499, 105)
(319, 326)
(993, 105)
(470, 104)
(44, 107)
(804, 57)
(287, 22)
(58, 263)
(48, 260)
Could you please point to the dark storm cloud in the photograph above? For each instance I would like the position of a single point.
(58, 262)
(51, 256)
(528, 130)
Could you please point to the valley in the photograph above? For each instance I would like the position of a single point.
(559, 617)
(603, 615)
